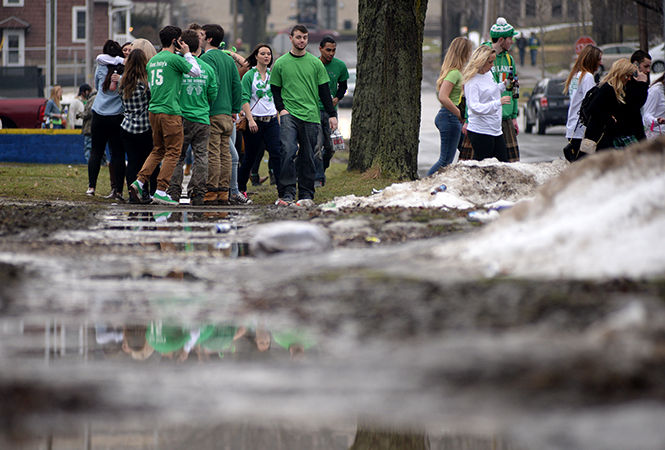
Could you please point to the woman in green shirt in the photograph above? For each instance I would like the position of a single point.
(449, 87)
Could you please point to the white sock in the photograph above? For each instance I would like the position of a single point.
(158, 192)
(139, 182)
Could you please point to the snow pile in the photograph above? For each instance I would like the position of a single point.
(604, 217)
(469, 184)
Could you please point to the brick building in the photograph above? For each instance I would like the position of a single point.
(28, 36)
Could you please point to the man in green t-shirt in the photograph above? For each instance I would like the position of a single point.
(196, 96)
(165, 72)
(338, 74)
(297, 82)
(226, 105)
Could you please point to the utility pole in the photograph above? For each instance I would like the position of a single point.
(89, 39)
(444, 28)
(235, 24)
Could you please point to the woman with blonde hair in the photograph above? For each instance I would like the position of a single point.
(610, 117)
(53, 114)
(449, 88)
(484, 102)
(580, 80)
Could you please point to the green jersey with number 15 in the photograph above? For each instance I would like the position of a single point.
(165, 71)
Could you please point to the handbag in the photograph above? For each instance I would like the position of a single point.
(241, 124)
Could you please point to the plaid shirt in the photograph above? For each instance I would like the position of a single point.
(136, 110)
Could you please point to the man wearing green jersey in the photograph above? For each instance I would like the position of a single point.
(338, 74)
(297, 82)
(222, 110)
(165, 72)
(196, 96)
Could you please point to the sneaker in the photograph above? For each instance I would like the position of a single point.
(137, 194)
(239, 199)
(115, 195)
(90, 192)
(254, 179)
(305, 203)
(318, 184)
(283, 202)
(164, 199)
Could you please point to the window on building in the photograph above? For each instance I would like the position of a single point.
(573, 8)
(557, 8)
(14, 49)
(530, 8)
(78, 24)
(10, 3)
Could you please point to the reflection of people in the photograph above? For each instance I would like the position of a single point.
(484, 102)
(579, 81)
(173, 341)
(135, 344)
(295, 341)
(611, 115)
(449, 90)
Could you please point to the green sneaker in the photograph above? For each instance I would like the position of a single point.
(164, 199)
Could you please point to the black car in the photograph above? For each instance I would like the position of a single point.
(547, 105)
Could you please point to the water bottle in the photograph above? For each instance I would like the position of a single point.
(337, 141)
(516, 88)
(509, 80)
(437, 189)
(114, 84)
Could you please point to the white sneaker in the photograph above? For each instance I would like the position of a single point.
(90, 192)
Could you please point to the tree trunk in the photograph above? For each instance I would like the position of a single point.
(255, 13)
(386, 106)
(370, 439)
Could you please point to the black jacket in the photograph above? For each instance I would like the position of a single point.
(610, 119)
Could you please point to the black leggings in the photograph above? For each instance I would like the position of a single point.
(138, 146)
(106, 129)
(487, 146)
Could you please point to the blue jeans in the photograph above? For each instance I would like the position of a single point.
(298, 139)
(324, 148)
(450, 129)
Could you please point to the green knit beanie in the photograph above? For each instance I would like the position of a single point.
(502, 29)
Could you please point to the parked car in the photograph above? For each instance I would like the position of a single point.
(347, 100)
(612, 52)
(547, 106)
(22, 112)
(657, 59)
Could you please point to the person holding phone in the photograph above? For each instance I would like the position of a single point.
(165, 73)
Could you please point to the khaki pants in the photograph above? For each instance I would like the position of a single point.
(219, 153)
(167, 137)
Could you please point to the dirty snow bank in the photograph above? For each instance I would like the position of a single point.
(604, 217)
(468, 184)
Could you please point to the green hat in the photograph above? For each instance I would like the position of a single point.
(502, 29)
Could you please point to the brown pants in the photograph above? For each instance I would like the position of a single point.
(219, 153)
(167, 137)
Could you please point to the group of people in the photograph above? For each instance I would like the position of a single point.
(479, 112)
(152, 107)
(475, 89)
(622, 110)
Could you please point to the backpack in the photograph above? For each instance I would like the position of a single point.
(585, 107)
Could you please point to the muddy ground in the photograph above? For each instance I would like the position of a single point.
(403, 339)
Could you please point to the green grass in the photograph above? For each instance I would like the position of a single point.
(62, 182)
(339, 182)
